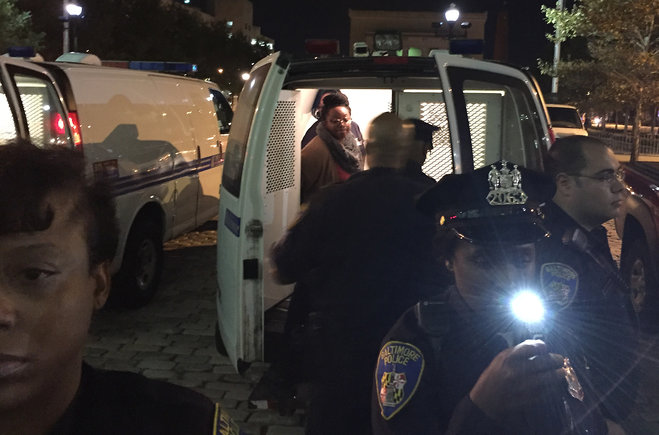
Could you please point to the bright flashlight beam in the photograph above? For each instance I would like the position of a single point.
(527, 307)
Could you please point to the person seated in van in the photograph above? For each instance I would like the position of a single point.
(315, 111)
(420, 135)
(334, 155)
(58, 234)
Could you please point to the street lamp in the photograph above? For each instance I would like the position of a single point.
(452, 14)
(71, 11)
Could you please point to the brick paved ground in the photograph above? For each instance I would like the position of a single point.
(173, 339)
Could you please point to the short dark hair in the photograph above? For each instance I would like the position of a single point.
(28, 175)
(331, 101)
(567, 154)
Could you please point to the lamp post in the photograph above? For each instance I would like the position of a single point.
(452, 14)
(557, 54)
(71, 10)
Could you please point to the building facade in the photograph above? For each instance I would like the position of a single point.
(419, 31)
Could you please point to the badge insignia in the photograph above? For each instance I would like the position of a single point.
(573, 384)
(505, 185)
(560, 284)
(397, 376)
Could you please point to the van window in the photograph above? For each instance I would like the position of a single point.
(222, 110)
(47, 122)
(7, 122)
(235, 155)
(567, 117)
(503, 122)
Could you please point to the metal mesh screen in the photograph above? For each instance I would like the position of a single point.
(280, 154)
(439, 161)
(477, 115)
(34, 112)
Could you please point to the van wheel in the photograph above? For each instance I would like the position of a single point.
(139, 276)
(637, 271)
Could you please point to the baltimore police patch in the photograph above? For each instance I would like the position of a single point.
(397, 376)
(560, 284)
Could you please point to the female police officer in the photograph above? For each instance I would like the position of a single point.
(57, 238)
(455, 364)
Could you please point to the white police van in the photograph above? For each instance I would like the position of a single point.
(155, 138)
(486, 112)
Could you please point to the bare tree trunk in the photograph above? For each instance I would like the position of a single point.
(636, 133)
(626, 115)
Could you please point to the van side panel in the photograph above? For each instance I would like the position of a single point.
(205, 128)
(128, 141)
(177, 106)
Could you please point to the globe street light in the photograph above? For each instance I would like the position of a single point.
(71, 10)
(452, 13)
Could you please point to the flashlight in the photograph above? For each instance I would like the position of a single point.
(527, 307)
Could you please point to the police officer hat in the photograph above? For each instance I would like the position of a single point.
(422, 131)
(498, 203)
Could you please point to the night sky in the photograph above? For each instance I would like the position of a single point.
(290, 22)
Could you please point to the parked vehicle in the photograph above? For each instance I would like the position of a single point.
(473, 102)
(155, 138)
(638, 227)
(565, 120)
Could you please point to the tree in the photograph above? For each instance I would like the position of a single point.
(622, 69)
(16, 27)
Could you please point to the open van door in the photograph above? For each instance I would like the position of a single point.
(493, 104)
(242, 214)
(486, 112)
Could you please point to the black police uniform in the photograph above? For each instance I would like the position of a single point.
(433, 356)
(590, 305)
(123, 403)
(364, 254)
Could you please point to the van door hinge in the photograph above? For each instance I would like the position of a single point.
(254, 229)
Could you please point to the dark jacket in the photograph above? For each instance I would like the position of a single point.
(432, 358)
(123, 403)
(590, 303)
(364, 254)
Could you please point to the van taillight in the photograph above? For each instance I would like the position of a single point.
(58, 124)
(75, 129)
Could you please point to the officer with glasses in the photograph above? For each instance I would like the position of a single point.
(578, 274)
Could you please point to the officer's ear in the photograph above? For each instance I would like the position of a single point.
(564, 182)
(449, 265)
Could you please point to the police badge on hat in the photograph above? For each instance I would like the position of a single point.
(397, 376)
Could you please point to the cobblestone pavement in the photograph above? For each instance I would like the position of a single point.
(173, 339)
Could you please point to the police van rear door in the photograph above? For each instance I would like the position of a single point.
(494, 111)
(241, 221)
(31, 105)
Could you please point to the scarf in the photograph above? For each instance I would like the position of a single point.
(346, 152)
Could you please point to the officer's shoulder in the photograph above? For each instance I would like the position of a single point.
(153, 403)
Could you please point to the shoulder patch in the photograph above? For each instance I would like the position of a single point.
(223, 423)
(560, 284)
(397, 376)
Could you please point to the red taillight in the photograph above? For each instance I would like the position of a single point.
(74, 125)
(58, 124)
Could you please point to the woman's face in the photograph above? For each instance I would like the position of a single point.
(47, 295)
(337, 122)
(486, 274)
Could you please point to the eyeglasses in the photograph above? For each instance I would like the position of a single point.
(339, 121)
(606, 177)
